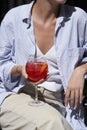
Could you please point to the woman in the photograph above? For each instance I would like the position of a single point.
(60, 34)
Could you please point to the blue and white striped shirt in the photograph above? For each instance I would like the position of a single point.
(17, 42)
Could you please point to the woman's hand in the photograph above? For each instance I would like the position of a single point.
(19, 70)
(23, 72)
(74, 91)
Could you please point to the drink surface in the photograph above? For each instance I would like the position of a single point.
(36, 71)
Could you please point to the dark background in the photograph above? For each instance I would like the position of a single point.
(79, 3)
(5, 5)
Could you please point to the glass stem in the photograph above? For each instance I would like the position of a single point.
(36, 93)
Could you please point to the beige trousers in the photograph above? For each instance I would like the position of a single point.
(17, 114)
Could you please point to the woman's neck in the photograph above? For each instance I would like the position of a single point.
(45, 12)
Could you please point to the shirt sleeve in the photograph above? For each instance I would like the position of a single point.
(7, 54)
(85, 43)
(82, 33)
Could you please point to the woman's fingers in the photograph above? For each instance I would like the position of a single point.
(74, 97)
(77, 94)
(81, 95)
(67, 95)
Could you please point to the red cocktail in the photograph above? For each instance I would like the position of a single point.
(36, 70)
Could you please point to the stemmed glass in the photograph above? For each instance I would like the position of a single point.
(37, 69)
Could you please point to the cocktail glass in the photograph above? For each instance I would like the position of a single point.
(37, 69)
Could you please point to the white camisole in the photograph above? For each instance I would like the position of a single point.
(53, 83)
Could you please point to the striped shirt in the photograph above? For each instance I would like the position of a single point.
(17, 42)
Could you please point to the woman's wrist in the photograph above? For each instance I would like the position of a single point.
(82, 69)
(16, 71)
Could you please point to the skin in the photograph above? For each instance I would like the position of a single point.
(44, 18)
(74, 90)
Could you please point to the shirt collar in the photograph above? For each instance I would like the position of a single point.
(60, 20)
(27, 15)
(62, 16)
(65, 14)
